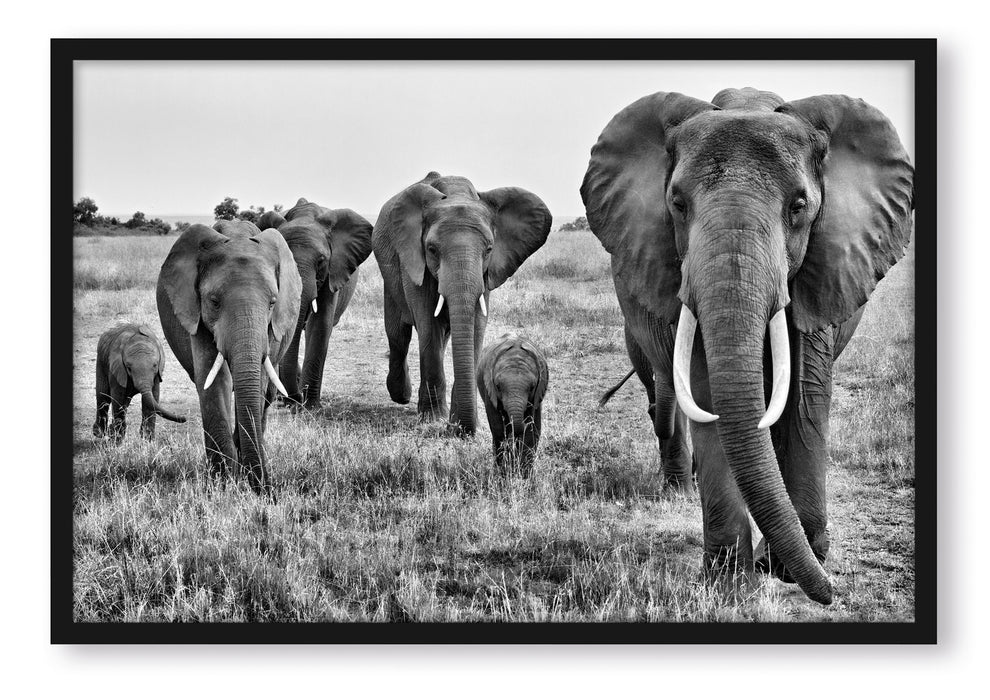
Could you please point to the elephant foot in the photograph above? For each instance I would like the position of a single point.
(318, 410)
(459, 431)
(292, 400)
(728, 563)
(429, 414)
(677, 486)
(515, 461)
(767, 562)
(315, 405)
(99, 430)
(399, 388)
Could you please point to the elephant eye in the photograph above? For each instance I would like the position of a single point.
(680, 206)
(488, 250)
(431, 248)
(271, 302)
(797, 209)
(214, 300)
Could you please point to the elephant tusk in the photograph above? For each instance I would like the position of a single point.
(439, 306)
(217, 364)
(273, 375)
(683, 346)
(315, 310)
(780, 350)
(484, 307)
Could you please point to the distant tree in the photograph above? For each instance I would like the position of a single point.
(160, 227)
(227, 209)
(579, 224)
(137, 220)
(181, 226)
(278, 208)
(248, 215)
(84, 211)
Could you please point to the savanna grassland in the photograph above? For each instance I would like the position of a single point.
(382, 518)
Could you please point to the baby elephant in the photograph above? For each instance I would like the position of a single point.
(129, 361)
(512, 378)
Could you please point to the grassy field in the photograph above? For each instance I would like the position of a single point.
(381, 518)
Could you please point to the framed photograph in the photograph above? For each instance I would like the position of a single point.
(594, 341)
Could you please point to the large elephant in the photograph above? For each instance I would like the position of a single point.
(228, 298)
(759, 227)
(442, 246)
(328, 245)
(129, 362)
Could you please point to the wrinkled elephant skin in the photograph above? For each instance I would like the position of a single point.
(746, 235)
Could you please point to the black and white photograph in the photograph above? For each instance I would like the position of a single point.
(580, 339)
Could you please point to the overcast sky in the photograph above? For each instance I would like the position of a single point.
(171, 138)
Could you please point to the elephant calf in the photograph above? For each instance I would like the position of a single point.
(512, 379)
(129, 361)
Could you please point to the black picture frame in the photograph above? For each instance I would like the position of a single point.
(921, 52)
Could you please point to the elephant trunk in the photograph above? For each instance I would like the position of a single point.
(462, 335)
(461, 290)
(734, 306)
(150, 405)
(246, 371)
(515, 406)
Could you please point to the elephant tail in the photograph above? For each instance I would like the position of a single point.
(611, 392)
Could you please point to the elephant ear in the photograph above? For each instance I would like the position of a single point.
(116, 359)
(286, 311)
(865, 220)
(270, 219)
(400, 224)
(624, 194)
(486, 371)
(150, 334)
(180, 273)
(522, 224)
(349, 236)
(544, 372)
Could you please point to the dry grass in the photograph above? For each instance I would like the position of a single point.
(379, 517)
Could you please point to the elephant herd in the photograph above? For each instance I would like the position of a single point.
(746, 234)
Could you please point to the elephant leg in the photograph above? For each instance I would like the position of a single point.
(433, 383)
(399, 335)
(727, 533)
(800, 440)
(530, 440)
(288, 366)
(148, 416)
(216, 409)
(318, 331)
(644, 370)
(270, 397)
(119, 401)
(671, 427)
(103, 401)
(669, 424)
(497, 426)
